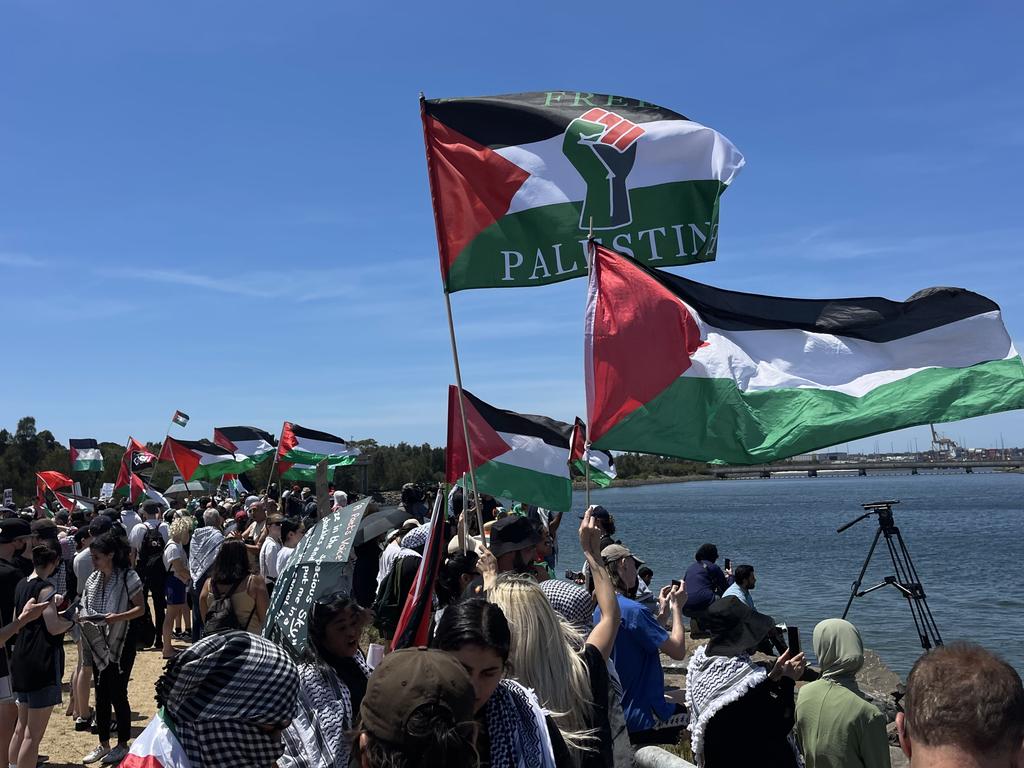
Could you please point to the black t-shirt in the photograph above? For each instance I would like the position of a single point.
(597, 670)
(34, 661)
(10, 575)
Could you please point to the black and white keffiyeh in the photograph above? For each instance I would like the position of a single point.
(102, 595)
(224, 694)
(416, 539)
(572, 602)
(205, 545)
(318, 736)
(516, 728)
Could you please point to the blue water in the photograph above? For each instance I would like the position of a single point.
(964, 532)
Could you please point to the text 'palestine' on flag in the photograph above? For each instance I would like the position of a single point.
(516, 181)
(677, 368)
(515, 455)
(85, 455)
(602, 466)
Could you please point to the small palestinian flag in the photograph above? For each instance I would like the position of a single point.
(518, 181)
(299, 445)
(682, 369)
(201, 459)
(179, 418)
(85, 455)
(307, 472)
(246, 441)
(602, 466)
(156, 747)
(51, 481)
(515, 455)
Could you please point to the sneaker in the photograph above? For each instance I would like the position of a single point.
(83, 723)
(96, 754)
(115, 756)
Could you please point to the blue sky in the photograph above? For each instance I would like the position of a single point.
(223, 207)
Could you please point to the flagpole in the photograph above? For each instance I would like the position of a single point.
(273, 466)
(586, 427)
(451, 323)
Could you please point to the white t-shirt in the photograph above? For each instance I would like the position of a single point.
(282, 558)
(139, 532)
(130, 520)
(174, 551)
(268, 558)
(387, 559)
(83, 568)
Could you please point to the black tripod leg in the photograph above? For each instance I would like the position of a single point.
(928, 629)
(860, 576)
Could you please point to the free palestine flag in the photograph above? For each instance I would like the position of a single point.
(51, 481)
(202, 460)
(136, 459)
(247, 441)
(515, 455)
(299, 445)
(602, 466)
(682, 369)
(517, 181)
(85, 455)
(180, 418)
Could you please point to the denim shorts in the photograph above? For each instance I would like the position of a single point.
(174, 590)
(44, 697)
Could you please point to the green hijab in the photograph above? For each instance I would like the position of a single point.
(839, 649)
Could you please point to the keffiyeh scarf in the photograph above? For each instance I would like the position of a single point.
(318, 736)
(103, 595)
(218, 694)
(572, 602)
(517, 730)
(203, 551)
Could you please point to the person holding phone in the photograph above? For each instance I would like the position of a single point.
(743, 581)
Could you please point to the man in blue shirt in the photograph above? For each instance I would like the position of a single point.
(743, 581)
(649, 717)
(705, 581)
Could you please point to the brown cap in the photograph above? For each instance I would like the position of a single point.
(407, 680)
(614, 552)
(275, 518)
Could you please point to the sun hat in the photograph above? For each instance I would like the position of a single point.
(407, 680)
(512, 533)
(734, 627)
(473, 544)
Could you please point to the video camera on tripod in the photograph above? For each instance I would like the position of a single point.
(905, 580)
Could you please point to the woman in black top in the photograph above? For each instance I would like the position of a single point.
(37, 664)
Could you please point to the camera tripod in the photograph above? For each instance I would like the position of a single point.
(906, 579)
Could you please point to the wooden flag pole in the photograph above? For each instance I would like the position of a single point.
(273, 466)
(438, 228)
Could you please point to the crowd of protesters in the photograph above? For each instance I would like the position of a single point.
(523, 669)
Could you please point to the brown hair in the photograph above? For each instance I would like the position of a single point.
(961, 695)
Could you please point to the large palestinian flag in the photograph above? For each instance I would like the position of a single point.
(517, 181)
(51, 481)
(85, 455)
(515, 455)
(682, 369)
(246, 441)
(299, 445)
(203, 460)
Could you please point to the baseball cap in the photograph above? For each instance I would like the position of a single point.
(151, 507)
(512, 533)
(241, 516)
(407, 680)
(44, 529)
(250, 501)
(614, 552)
(409, 524)
(598, 512)
(12, 528)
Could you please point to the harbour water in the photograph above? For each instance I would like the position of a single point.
(965, 534)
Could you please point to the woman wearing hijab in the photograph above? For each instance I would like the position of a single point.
(836, 725)
(740, 714)
(332, 683)
(223, 702)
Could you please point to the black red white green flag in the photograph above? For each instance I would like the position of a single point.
(52, 481)
(515, 455)
(85, 455)
(678, 368)
(180, 418)
(516, 181)
(246, 441)
(602, 466)
(137, 458)
(300, 445)
(202, 460)
(413, 627)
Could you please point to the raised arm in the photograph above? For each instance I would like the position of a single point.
(674, 598)
(603, 635)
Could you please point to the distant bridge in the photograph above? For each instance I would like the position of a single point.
(861, 468)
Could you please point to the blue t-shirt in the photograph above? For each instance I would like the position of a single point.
(639, 665)
(705, 582)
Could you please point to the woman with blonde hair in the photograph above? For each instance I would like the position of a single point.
(544, 655)
(176, 565)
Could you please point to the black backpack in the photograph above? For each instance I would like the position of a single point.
(221, 616)
(387, 607)
(151, 557)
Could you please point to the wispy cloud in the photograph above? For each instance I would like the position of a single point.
(20, 260)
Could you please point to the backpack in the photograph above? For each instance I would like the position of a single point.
(151, 557)
(222, 617)
(387, 607)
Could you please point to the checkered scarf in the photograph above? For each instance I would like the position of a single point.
(416, 539)
(572, 602)
(517, 728)
(206, 543)
(220, 691)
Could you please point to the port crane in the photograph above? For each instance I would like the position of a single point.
(941, 444)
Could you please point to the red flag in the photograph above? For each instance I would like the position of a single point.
(414, 623)
(136, 458)
(51, 481)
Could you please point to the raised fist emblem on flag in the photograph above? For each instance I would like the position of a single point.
(602, 147)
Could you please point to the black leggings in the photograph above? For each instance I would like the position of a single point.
(112, 694)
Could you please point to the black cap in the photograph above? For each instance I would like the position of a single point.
(511, 533)
(100, 525)
(12, 528)
(44, 529)
(597, 512)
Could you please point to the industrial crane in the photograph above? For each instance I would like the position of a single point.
(940, 443)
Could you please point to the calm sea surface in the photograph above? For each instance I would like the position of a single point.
(965, 534)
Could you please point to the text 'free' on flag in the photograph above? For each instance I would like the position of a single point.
(677, 368)
(519, 180)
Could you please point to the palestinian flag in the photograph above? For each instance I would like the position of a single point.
(517, 180)
(137, 458)
(180, 418)
(51, 481)
(413, 628)
(299, 445)
(85, 455)
(307, 472)
(246, 441)
(201, 459)
(156, 747)
(515, 455)
(602, 466)
(682, 369)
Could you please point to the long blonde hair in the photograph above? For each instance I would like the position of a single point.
(543, 657)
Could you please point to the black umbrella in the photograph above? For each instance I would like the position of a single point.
(379, 522)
